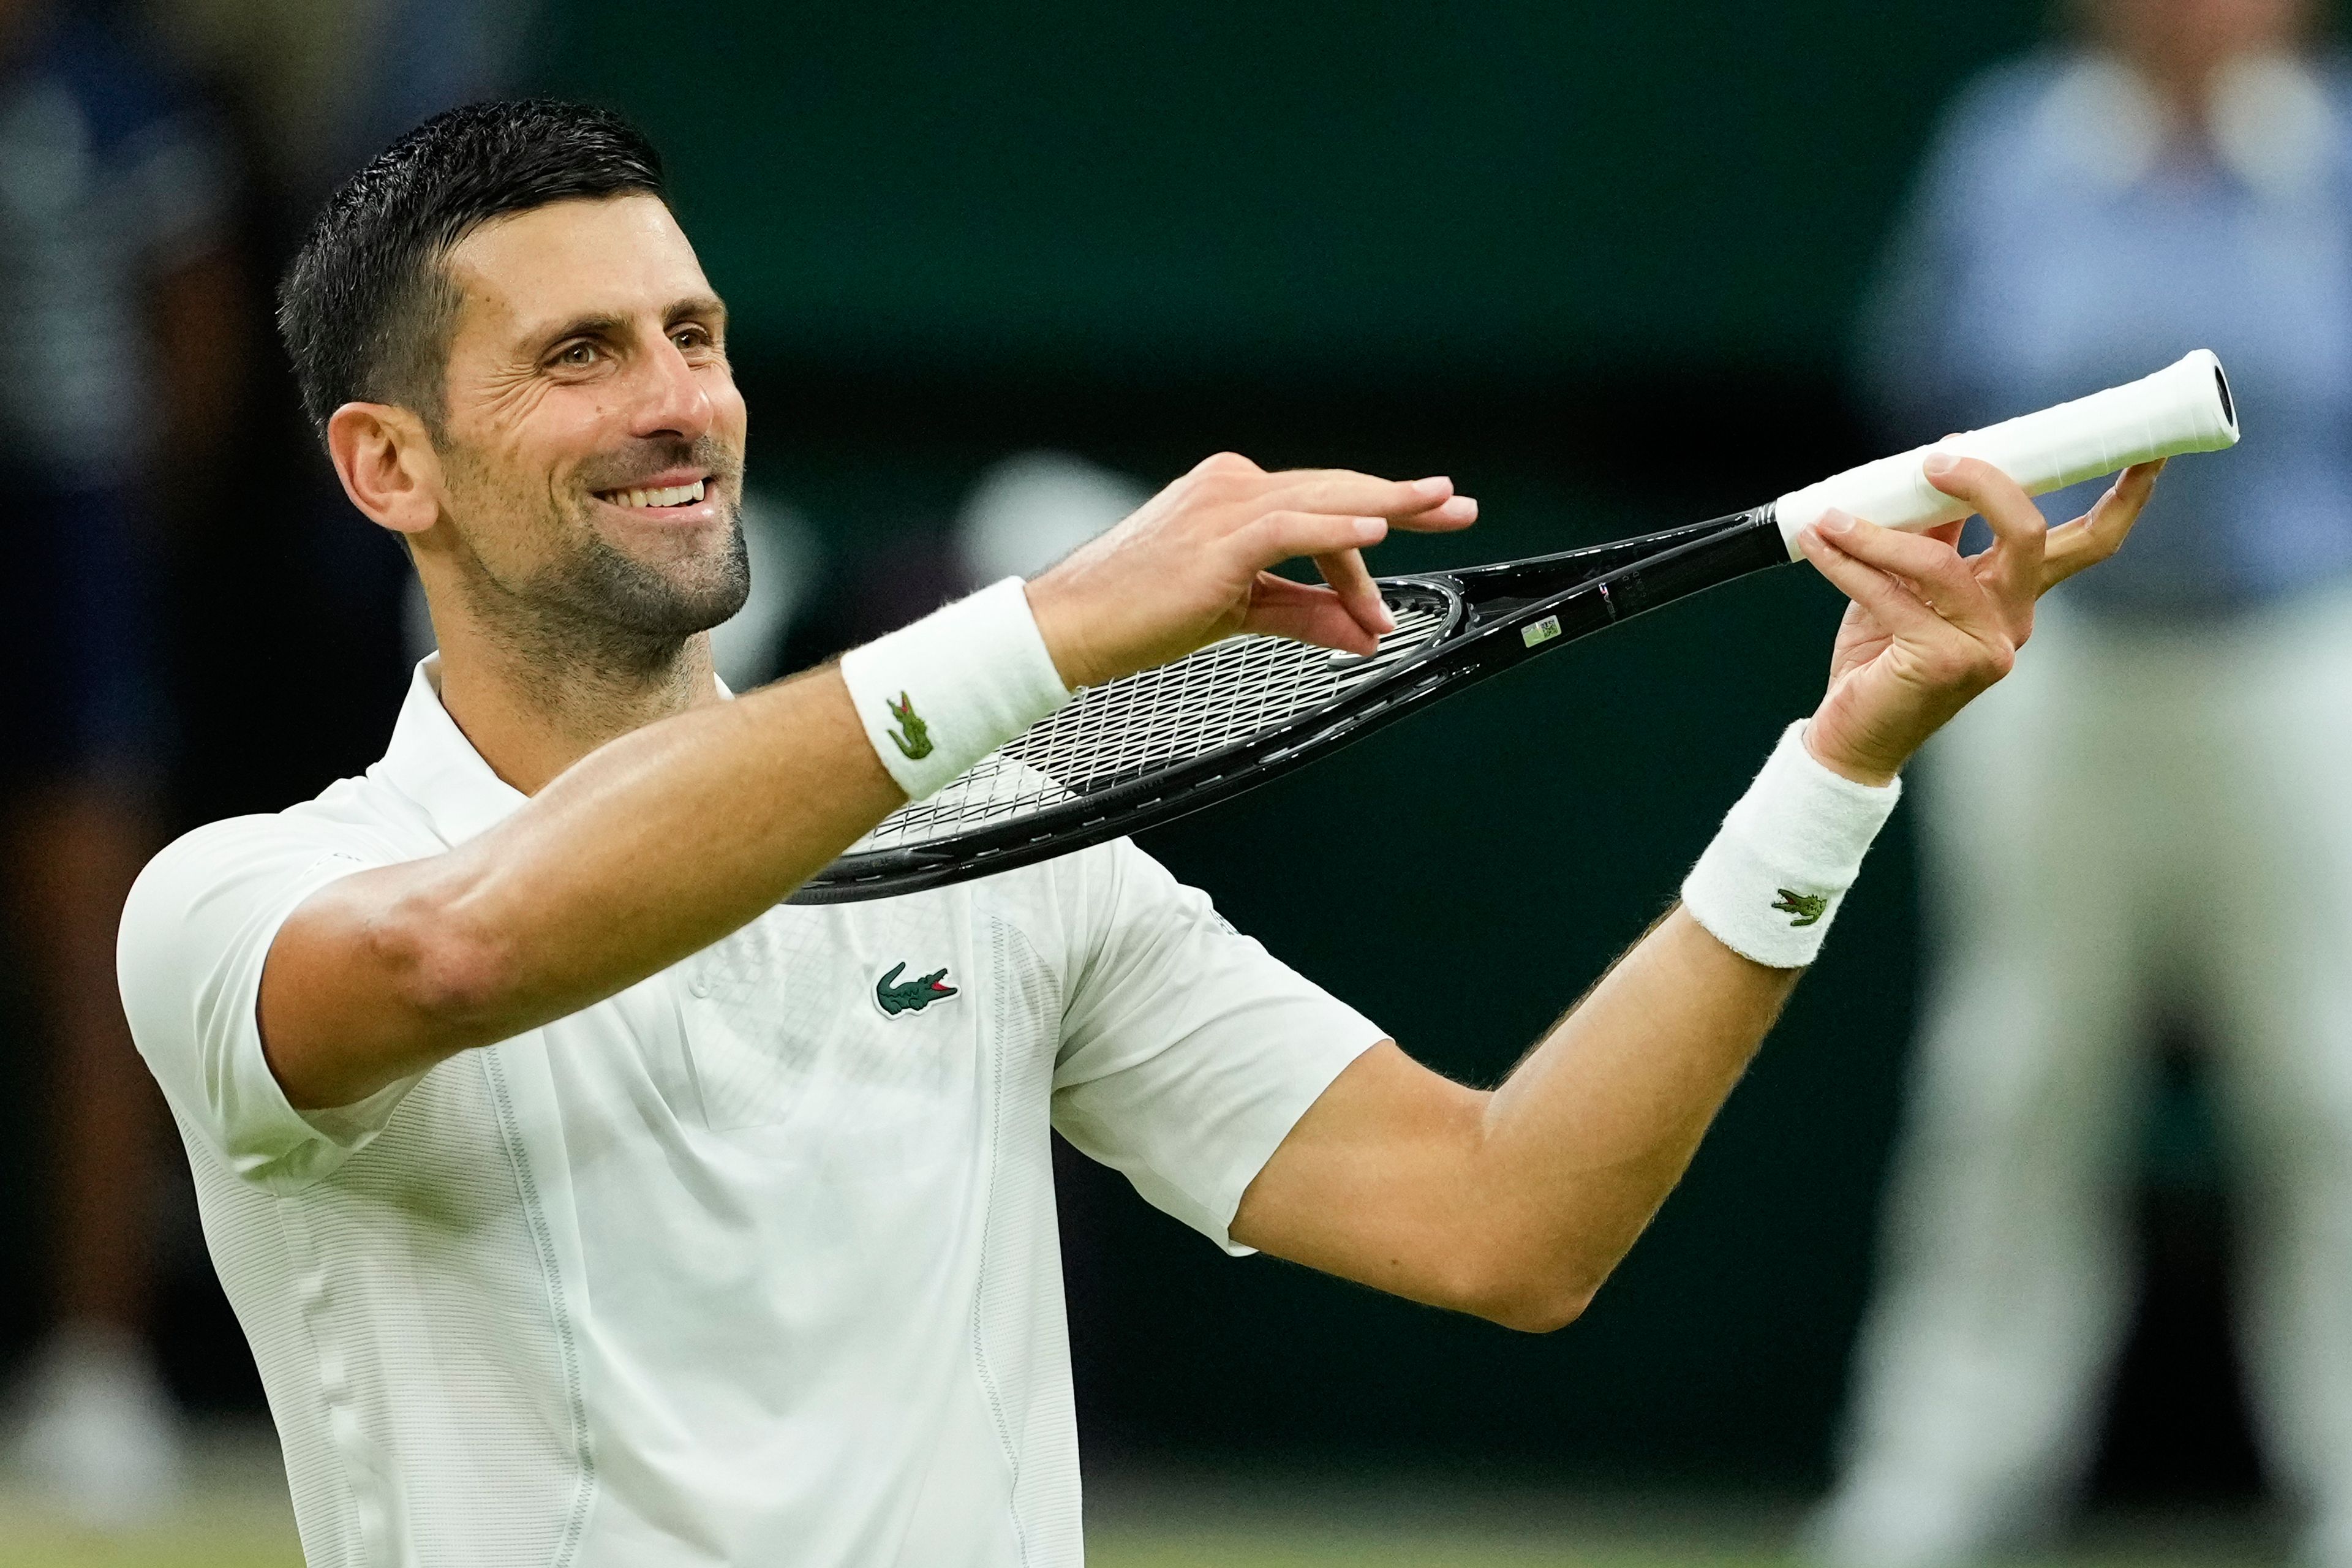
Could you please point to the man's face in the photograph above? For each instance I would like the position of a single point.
(592, 441)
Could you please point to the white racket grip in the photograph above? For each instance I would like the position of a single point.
(2184, 407)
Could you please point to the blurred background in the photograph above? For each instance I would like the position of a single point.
(998, 272)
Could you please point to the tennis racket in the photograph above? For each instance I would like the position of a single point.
(1156, 745)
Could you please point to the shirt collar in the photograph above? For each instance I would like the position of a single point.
(2271, 123)
(431, 762)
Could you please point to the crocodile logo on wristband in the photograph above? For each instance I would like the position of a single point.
(1803, 909)
(912, 737)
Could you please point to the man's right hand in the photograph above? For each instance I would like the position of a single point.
(1191, 567)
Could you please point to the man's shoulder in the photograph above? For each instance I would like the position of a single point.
(357, 820)
(1066, 883)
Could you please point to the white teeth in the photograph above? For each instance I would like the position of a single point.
(674, 495)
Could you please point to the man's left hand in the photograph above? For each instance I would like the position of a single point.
(1929, 628)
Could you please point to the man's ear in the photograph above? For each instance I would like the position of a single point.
(387, 461)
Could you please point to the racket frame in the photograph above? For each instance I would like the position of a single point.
(1497, 617)
(1499, 614)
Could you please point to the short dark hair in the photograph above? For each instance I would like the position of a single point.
(367, 308)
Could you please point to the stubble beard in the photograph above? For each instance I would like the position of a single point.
(588, 611)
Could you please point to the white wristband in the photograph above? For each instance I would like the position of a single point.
(940, 695)
(1769, 885)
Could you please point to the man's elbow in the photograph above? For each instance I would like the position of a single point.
(451, 979)
(362, 989)
(1537, 1311)
(1528, 1297)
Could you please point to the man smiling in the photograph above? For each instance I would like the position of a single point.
(584, 1202)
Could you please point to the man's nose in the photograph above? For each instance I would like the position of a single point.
(671, 400)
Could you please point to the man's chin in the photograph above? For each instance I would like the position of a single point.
(692, 581)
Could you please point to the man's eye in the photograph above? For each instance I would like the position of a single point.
(691, 338)
(577, 356)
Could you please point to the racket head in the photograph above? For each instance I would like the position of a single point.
(1139, 750)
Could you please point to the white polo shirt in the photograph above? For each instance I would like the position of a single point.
(756, 1262)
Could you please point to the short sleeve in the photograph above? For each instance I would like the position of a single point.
(1188, 1051)
(196, 932)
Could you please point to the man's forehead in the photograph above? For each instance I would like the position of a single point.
(615, 257)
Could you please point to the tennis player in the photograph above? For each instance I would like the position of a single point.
(585, 1204)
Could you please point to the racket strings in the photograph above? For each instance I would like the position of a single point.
(1125, 729)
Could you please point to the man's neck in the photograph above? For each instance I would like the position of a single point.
(531, 712)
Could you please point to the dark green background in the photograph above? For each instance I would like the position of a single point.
(1599, 263)
(1356, 188)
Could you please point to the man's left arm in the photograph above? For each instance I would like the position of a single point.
(1516, 1204)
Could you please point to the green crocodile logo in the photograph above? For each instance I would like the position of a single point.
(914, 995)
(1807, 908)
(912, 737)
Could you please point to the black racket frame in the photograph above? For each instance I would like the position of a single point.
(1488, 611)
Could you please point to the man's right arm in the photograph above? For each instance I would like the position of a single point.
(648, 850)
(664, 840)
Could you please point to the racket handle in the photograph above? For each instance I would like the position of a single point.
(2184, 407)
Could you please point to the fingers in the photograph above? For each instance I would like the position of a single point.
(1191, 566)
(2099, 532)
(1457, 511)
(1277, 536)
(2011, 569)
(1226, 465)
(1299, 525)
(1931, 573)
(1344, 490)
(1349, 578)
(1306, 613)
(1897, 608)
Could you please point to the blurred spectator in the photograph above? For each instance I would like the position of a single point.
(2155, 817)
(119, 354)
(747, 649)
(1021, 515)
(334, 81)
(316, 88)
(1034, 508)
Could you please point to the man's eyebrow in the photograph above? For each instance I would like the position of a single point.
(600, 324)
(611, 324)
(710, 307)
